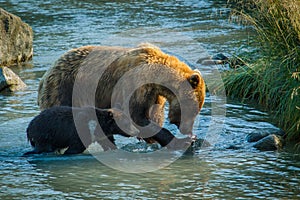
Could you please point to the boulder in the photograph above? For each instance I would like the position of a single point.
(259, 134)
(198, 144)
(269, 143)
(217, 59)
(16, 39)
(221, 59)
(9, 81)
(256, 135)
(220, 56)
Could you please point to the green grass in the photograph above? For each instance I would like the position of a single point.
(273, 80)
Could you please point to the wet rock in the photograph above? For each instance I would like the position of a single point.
(221, 59)
(259, 134)
(9, 81)
(197, 145)
(203, 59)
(16, 39)
(217, 59)
(220, 56)
(255, 136)
(269, 143)
(212, 62)
(234, 147)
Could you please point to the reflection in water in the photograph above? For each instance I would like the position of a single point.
(190, 29)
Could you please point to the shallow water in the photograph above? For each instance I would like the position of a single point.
(190, 29)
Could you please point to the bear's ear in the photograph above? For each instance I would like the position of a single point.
(194, 80)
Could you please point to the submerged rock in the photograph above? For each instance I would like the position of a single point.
(269, 143)
(16, 39)
(198, 144)
(220, 56)
(217, 59)
(259, 134)
(221, 59)
(255, 136)
(234, 147)
(9, 80)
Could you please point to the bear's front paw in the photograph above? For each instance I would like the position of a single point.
(180, 143)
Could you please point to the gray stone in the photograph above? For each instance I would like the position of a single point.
(212, 62)
(234, 147)
(16, 39)
(269, 143)
(259, 134)
(199, 143)
(9, 81)
(217, 59)
(204, 58)
(256, 135)
(221, 59)
(220, 56)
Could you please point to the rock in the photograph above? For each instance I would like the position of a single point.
(234, 147)
(217, 59)
(255, 136)
(200, 60)
(220, 56)
(270, 143)
(199, 143)
(220, 59)
(259, 134)
(9, 80)
(212, 62)
(16, 39)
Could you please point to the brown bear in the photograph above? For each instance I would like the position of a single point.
(62, 127)
(140, 79)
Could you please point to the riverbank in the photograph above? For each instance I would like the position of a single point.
(272, 80)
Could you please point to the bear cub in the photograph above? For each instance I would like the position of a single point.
(62, 127)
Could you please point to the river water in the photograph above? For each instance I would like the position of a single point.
(189, 29)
